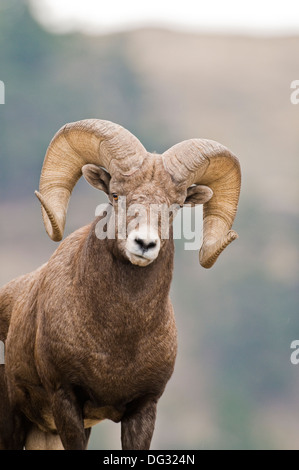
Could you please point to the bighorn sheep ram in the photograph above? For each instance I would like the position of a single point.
(91, 334)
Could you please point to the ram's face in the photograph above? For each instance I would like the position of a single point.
(143, 206)
(143, 213)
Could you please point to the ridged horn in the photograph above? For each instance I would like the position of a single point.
(200, 161)
(76, 144)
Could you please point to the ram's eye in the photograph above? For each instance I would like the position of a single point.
(115, 196)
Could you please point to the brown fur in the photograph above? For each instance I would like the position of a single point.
(105, 350)
(89, 336)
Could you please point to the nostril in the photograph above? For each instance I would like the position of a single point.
(144, 245)
(140, 242)
(151, 245)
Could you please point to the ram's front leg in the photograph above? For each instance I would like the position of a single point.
(137, 425)
(68, 417)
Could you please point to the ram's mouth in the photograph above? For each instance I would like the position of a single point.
(139, 260)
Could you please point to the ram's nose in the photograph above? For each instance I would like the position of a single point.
(143, 245)
(146, 243)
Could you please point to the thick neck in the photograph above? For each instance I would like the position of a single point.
(129, 286)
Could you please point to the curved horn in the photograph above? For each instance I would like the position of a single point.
(200, 161)
(89, 141)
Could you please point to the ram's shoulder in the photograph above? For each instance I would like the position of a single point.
(14, 292)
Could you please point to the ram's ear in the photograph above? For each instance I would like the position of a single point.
(97, 177)
(198, 194)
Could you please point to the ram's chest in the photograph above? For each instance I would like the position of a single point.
(129, 369)
(113, 365)
(109, 381)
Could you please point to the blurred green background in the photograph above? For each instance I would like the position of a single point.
(234, 386)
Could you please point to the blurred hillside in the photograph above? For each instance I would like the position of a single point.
(234, 385)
